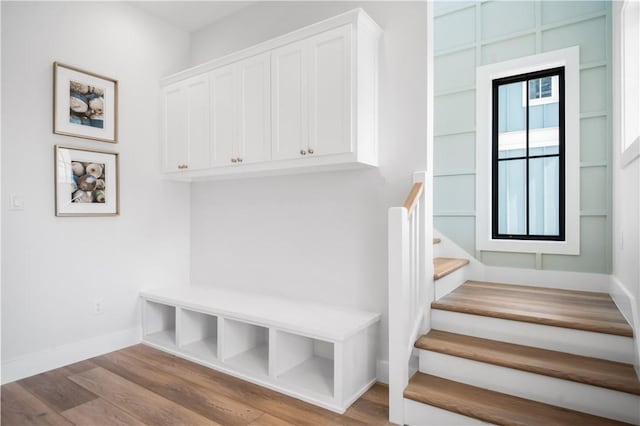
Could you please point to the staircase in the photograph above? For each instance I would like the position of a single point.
(521, 355)
(498, 353)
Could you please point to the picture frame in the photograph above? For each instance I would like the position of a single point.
(85, 104)
(87, 182)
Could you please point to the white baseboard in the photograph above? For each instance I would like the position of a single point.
(626, 303)
(59, 356)
(382, 371)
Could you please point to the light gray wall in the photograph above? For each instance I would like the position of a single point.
(471, 34)
(317, 236)
(54, 268)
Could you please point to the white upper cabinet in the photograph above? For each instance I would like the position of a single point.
(254, 118)
(289, 88)
(223, 116)
(330, 86)
(303, 101)
(186, 125)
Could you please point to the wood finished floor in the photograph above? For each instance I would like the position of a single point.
(143, 386)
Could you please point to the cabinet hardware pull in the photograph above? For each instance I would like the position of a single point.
(239, 160)
(303, 152)
(233, 160)
(311, 151)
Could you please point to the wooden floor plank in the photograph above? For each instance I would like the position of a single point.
(100, 412)
(21, 408)
(443, 266)
(369, 412)
(274, 403)
(494, 407)
(206, 402)
(56, 390)
(560, 308)
(593, 371)
(269, 420)
(139, 402)
(379, 394)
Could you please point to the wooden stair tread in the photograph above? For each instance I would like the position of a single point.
(443, 266)
(579, 310)
(437, 241)
(592, 371)
(493, 407)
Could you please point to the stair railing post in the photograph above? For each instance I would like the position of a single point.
(398, 310)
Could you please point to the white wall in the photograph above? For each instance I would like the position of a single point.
(318, 236)
(54, 268)
(626, 203)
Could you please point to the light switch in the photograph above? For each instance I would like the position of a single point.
(16, 202)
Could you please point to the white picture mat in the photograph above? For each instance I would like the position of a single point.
(63, 79)
(65, 178)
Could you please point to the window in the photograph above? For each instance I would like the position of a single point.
(528, 156)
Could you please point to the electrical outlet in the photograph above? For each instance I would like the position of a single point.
(98, 306)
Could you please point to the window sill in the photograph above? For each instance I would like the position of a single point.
(527, 246)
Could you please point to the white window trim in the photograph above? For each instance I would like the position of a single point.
(570, 59)
(630, 142)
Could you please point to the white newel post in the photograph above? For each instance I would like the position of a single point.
(398, 321)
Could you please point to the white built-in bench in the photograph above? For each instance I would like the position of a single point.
(321, 354)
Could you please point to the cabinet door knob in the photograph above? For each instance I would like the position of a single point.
(311, 151)
(239, 160)
(233, 160)
(186, 166)
(303, 152)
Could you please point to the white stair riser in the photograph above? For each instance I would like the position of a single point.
(436, 250)
(446, 285)
(563, 393)
(579, 342)
(417, 414)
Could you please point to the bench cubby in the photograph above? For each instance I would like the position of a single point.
(160, 324)
(246, 347)
(199, 334)
(320, 354)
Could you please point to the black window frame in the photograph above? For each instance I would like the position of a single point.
(560, 72)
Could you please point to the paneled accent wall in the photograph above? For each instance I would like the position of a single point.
(470, 34)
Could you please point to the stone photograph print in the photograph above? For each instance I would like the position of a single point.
(86, 104)
(88, 184)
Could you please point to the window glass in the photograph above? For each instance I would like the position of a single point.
(528, 156)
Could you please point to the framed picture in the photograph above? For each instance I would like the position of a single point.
(86, 182)
(85, 105)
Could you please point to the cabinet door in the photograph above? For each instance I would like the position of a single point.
(289, 101)
(198, 122)
(223, 105)
(330, 86)
(254, 119)
(175, 133)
